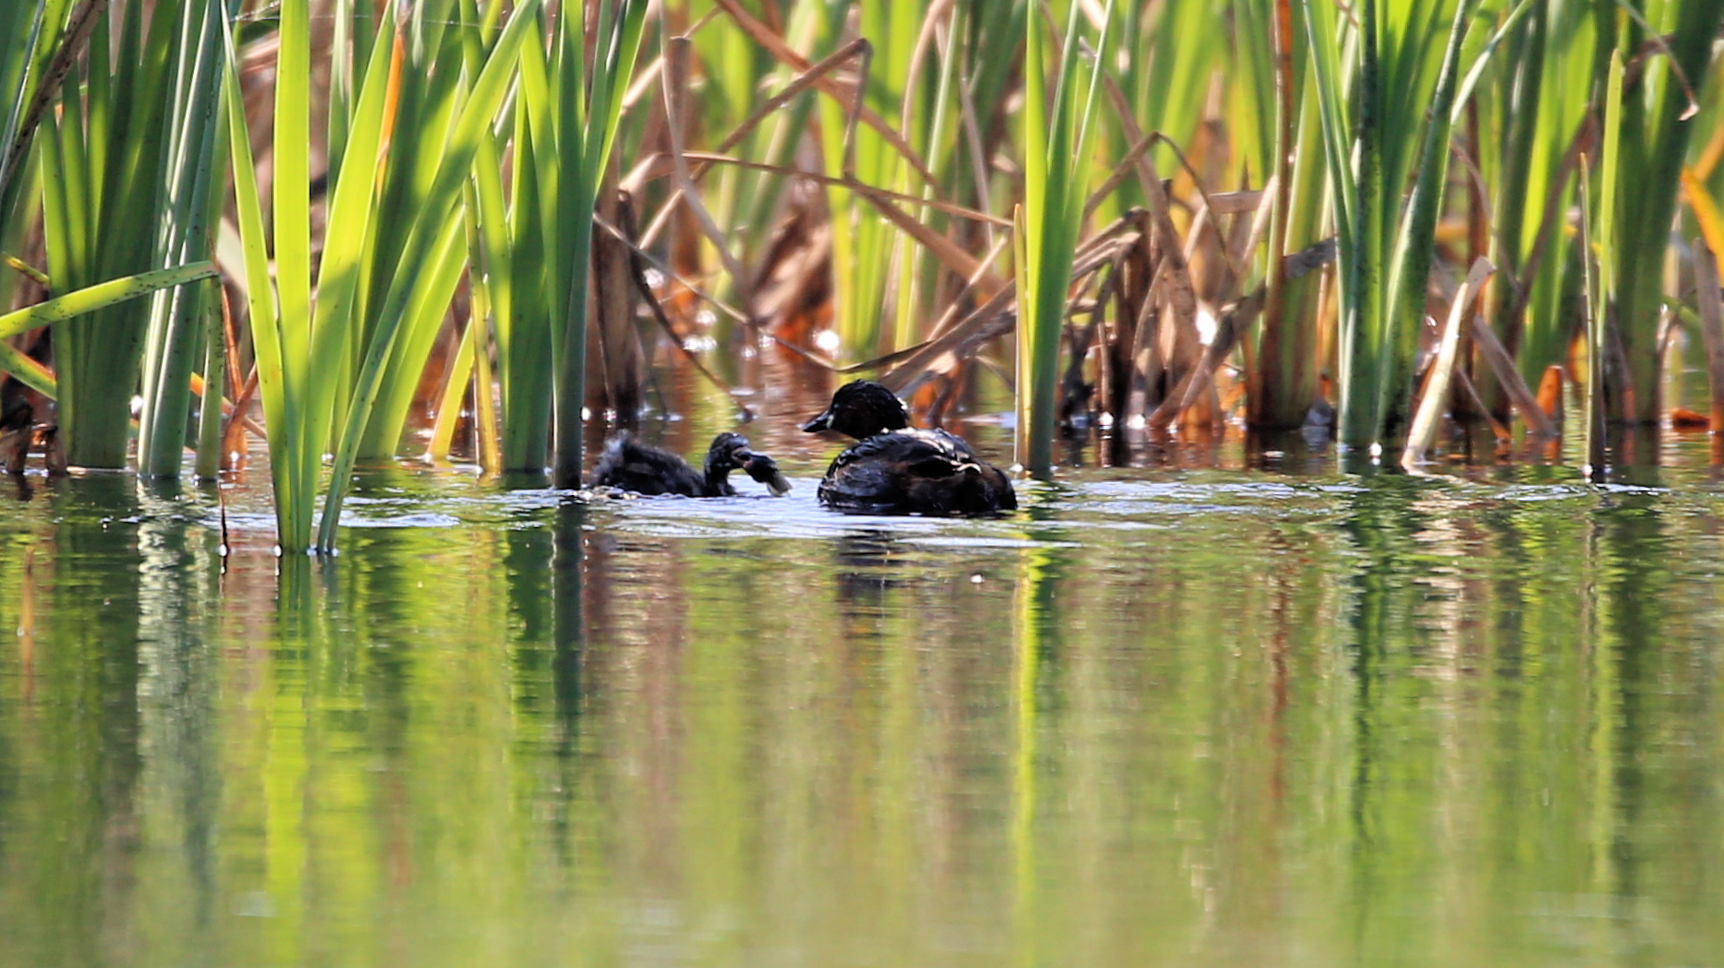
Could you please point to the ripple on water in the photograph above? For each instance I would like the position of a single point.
(1112, 504)
(407, 519)
(798, 516)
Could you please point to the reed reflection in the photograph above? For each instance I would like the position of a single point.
(179, 612)
(1129, 725)
(1654, 729)
(71, 819)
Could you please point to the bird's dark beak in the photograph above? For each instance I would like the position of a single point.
(822, 422)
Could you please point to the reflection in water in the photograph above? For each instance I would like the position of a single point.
(1306, 450)
(1633, 454)
(84, 727)
(865, 576)
(1174, 720)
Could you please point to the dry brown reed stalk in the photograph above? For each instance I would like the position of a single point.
(653, 165)
(793, 280)
(1121, 371)
(873, 192)
(233, 446)
(1126, 168)
(639, 260)
(1463, 402)
(950, 255)
(1203, 237)
(1181, 350)
(617, 363)
(1711, 307)
(1502, 366)
(944, 354)
(1464, 384)
(1075, 393)
(234, 409)
(980, 148)
(676, 64)
(1234, 322)
(1549, 397)
(958, 261)
(934, 356)
(647, 259)
(847, 96)
(958, 299)
(1194, 400)
(927, 37)
(853, 50)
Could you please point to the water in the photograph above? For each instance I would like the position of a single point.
(1160, 717)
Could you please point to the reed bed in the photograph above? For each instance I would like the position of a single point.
(1175, 216)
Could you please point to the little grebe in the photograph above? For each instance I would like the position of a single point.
(634, 466)
(893, 469)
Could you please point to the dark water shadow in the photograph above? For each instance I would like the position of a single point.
(866, 573)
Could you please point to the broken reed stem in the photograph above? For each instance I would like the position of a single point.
(1435, 398)
(1496, 356)
(676, 72)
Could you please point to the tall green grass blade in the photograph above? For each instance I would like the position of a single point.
(1604, 296)
(1532, 120)
(421, 138)
(455, 167)
(1592, 406)
(123, 168)
(29, 36)
(310, 372)
(290, 211)
(1057, 141)
(1655, 138)
(215, 380)
(342, 79)
(524, 339)
(282, 409)
(863, 254)
(351, 255)
(1284, 383)
(572, 232)
(1362, 347)
(1415, 242)
(1377, 151)
(297, 356)
(28, 372)
(590, 111)
(433, 82)
(421, 325)
(178, 319)
(101, 296)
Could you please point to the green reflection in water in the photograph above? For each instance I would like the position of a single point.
(1177, 719)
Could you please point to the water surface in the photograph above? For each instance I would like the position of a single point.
(1159, 717)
